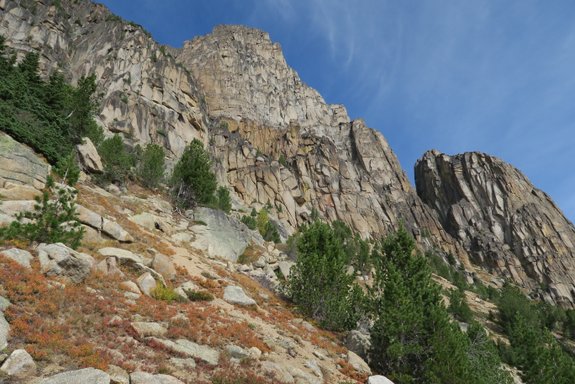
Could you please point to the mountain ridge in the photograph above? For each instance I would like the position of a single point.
(274, 140)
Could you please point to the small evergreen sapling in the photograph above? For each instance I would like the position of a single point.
(53, 220)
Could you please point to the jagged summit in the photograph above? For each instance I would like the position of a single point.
(246, 77)
(504, 222)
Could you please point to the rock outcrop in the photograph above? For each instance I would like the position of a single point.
(20, 165)
(279, 144)
(145, 95)
(506, 224)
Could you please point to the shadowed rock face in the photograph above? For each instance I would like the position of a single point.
(502, 220)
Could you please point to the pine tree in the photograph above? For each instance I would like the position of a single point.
(151, 166)
(319, 283)
(413, 339)
(193, 181)
(54, 219)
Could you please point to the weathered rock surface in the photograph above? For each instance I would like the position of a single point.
(220, 235)
(4, 331)
(146, 96)
(189, 348)
(359, 343)
(378, 379)
(101, 224)
(148, 378)
(358, 363)
(144, 329)
(164, 266)
(118, 375)
(89, 157)
(86, 375)
(506, 224)
(19, 364)
(20, 256)
(59, 260)
(339, 167)
(280, 144)
(21, 165)
(146, 283)
(236, 295)
(108, 266)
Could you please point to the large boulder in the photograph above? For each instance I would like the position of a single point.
(378, 379)
(59, 260)
(236, 295)
(20, 256)
(145, 328)
(164, 266)
(21, 165)
(146, 283)
(220, 235)
(109, 267)
(359, 343)
(89, 157)
(358, 363)
(19, 365)
(191, 349)
(100, 223)
(86, 375)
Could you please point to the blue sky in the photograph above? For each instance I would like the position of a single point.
(483, 75)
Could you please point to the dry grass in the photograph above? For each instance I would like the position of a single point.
(347, 370)
(52, 322)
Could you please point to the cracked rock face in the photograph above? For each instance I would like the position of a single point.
(506, 224)
(279, 144)
(143, 93)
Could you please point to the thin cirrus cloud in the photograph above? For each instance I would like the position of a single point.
(482, 75)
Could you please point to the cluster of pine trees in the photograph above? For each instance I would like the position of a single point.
(414, 338)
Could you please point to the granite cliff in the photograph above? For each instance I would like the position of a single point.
(276, 142)
(506, 224)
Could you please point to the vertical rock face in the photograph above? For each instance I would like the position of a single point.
(143, 93)
(279, 143)
(245, 77)
(502, 220)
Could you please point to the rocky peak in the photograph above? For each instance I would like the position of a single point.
(245, 77)
(504, 222)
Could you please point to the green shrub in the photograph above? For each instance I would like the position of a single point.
(192, 180)
(199, 295)
(249, 221)
(266, 227)
(67, 168)
(151, 166)
(117, 160)
(162, 292)
(319, 283)
(413, 340)
(458, 306)
(53, 220)
(223, 200)
(50, 116)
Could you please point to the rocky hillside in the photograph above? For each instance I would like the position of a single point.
(506, 224)
(274, 140)
(100, 306)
